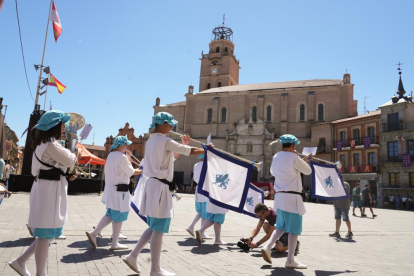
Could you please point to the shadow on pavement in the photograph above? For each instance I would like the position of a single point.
(188, 242)
(205, 249)
(92, 254)
(17, 243)
(328, 273)
(282, 271)
(345, 240)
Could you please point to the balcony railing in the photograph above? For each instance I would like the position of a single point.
(360, 169)
(397, 126)
(358, 141)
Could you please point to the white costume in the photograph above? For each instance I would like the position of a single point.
(118, 170)
(48, 199)
(286, 168)
(156, 198)
(196, 176)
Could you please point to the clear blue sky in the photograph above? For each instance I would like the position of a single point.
(116, 57)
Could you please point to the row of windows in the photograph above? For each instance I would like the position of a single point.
(356, 159)
(394, 179)
(208, 86)
(218, 49)
(356, 134)
(268, 117)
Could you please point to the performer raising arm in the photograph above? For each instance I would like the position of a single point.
(156, 202)
(286, 168)
(48, 197)
(118, 170)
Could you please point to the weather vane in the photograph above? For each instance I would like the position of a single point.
(399, 67)
(224, 18)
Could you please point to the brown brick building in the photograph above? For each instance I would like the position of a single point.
(244, 119)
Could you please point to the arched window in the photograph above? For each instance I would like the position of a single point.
(225, 49)
(209, 115)
(218, 50)
(269, 113)
(208, 85)
(254, 114)
(320, 112)
(219, 84)
(302, 112)
(223, 115)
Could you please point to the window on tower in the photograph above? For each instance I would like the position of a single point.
(223, 115)
(218, 50)
(208, 85)
(225, 49)
(219, 84)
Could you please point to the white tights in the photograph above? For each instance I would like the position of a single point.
(105, 221)
(40, 248)
(217, 229)
(156, 244)
(196, 219)
(116, 230)
(292, 241)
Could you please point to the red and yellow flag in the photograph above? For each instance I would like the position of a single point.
(57, 27)
(54, 82)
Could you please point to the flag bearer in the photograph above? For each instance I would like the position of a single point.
(118, 171)
(48, 197)
(156, 202)
(286, 168)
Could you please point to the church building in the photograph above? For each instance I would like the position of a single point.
(244, 118)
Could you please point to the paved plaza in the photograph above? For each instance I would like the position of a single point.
(381, 246)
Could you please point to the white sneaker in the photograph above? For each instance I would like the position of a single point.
(18, 268)
(91, 238)
(295, 264)
(119, 247)
(220, 242)
(162, 272)
(206, 237)
(266, 254)
(61, 237)
(190, 231)
(132, 264)
(122, 237)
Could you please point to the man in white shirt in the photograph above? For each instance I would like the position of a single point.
(286, 168)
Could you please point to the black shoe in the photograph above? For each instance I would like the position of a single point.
(373, 216)
(335, 235)
(363, 215)
(349, 235)
(354, 215)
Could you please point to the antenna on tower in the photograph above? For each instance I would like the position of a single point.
(224, 18)
(365, 104)
(93, 141)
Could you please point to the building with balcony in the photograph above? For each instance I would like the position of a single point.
(397, 143)
(357, 146)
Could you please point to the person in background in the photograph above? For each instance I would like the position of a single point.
(342, 207)
(397, 201)
(404, 202)
(356, 199)
(367, 197)
(392, 201)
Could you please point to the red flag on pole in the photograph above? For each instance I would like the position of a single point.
(57, 27)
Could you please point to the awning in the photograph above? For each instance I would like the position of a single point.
(88, 156)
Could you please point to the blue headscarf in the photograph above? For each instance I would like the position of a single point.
(51, 119)
(163, 117)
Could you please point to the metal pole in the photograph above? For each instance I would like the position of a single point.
(43, 56)
(44, 104)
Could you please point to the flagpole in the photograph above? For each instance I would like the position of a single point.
(43, 56)
(44, 104)
(257, 165)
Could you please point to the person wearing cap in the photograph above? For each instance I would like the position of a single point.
(200, 200)
(156, 196)
(286, 168)
(118, 171)
(48, 197)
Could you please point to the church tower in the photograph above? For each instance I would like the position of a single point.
(219, 67)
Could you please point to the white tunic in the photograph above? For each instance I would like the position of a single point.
(48, 199)
(286, 168)
(156, 198)
(118, 170)
(196, 177)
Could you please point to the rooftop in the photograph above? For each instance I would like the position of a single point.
(175, 104)
(94, 147)
(363, 116)
(274, 85)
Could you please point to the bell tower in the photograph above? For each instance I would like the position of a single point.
(219, 67)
